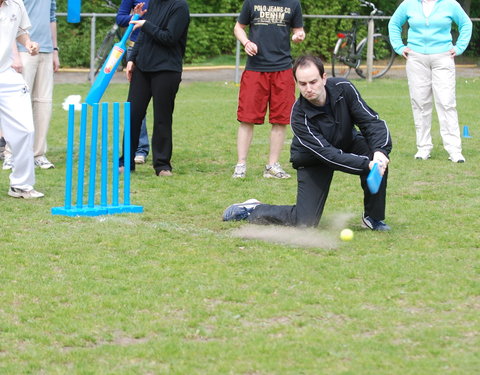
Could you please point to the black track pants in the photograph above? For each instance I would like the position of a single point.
(162, 87)
(312, 192)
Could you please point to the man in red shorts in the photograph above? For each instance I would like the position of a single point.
(267, 81)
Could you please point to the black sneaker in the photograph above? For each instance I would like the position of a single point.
(375, 224)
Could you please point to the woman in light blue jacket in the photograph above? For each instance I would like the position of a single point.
(430, 67)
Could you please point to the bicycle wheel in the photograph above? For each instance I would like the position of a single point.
(383, 56)
(105, 48)
(340, 55)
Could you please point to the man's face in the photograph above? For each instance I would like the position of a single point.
(311, 84)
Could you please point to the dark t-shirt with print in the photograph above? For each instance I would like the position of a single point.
(270, 22)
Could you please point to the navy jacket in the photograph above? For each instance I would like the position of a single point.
(124, 15)
(328, 139)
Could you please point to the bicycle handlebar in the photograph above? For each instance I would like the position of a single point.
(110, 4)
(374, 11)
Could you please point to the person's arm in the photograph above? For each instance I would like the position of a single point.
(56, 58)
(124, 14)
(251, 48)
(32, 47)
(17, 61)
(298, 35)
(314, 144)
(464, 28)
(395, 26)
(138, 24)
(374, 129)
(170, 35)
(53, 29)
(297, 25)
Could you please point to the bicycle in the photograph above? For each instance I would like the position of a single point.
(348, 55)
(113, 35)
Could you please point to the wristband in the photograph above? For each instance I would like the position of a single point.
(246, 44)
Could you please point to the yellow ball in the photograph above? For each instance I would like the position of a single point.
(346, 235)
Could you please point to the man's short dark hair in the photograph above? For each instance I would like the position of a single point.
(306, 60)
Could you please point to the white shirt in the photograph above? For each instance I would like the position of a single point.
(428, 7)
(14, 22)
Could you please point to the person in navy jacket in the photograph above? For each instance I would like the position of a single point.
(124, 16)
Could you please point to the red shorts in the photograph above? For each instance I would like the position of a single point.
(262, 90)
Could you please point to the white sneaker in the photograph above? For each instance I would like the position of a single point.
(43, 163)
(7, 162)
(275, 171)
(240, 171)
(457, 158)
(25, 194)
(139, 159)
(240, 211)
(422, 155)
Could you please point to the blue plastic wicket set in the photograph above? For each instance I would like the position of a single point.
(105, 206)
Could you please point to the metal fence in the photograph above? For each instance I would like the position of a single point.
(93, 19)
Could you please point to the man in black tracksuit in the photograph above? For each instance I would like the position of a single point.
(325, 140)
(154, 69)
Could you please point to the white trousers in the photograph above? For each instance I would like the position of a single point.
(432, 77)
(38, 74)
(16, 121)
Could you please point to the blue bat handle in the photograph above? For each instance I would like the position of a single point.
(127, 33)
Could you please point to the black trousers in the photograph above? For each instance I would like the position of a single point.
(312, 192)
(162, 87)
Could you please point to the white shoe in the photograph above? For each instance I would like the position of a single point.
(43, 163)
(240, 211)
(240, 171)
(457, 158)
(422, 155)
(139, 159)
(7, 162)
(275, 171)
(25, 194)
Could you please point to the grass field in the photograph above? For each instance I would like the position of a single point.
(177, 291)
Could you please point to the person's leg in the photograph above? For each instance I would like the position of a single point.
(39, 77)
(139, 95)
(252, 106)
(277, 139)
(164, 89)
(443, 81)
(374, 204)
(143, 142)
(17, 127)
(2, 143)
(312, 192)
(29, 72)
(420, 86)
(282, 98)
(244, 140)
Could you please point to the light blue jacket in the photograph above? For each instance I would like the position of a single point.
(429, 35)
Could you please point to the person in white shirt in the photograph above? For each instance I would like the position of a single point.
(16, 118)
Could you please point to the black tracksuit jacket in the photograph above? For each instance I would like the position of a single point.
(329, 139)
(163, 38)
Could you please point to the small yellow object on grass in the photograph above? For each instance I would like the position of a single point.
(346, 235)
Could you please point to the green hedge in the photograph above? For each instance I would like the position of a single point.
(210, 37)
